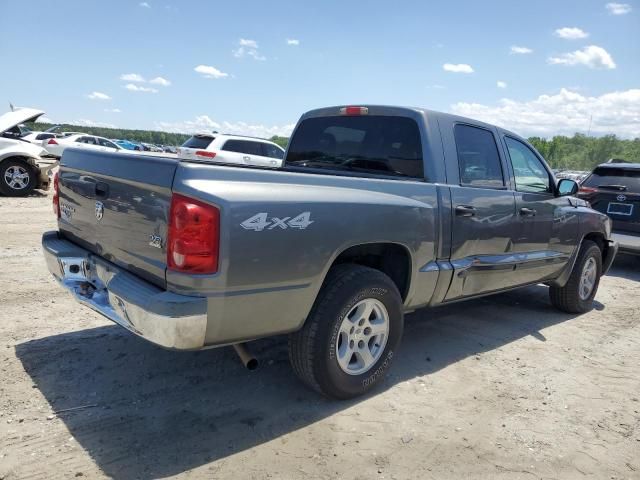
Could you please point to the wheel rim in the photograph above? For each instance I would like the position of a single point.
(16, 177)
(588, 278)
(362, 336)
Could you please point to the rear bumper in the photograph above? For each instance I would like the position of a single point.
(628, 243)
(164, 318)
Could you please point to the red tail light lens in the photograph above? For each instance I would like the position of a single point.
(194, 236)
(204, 153)
(56, 195)
(52, 141)
(586, 191)
(354, 111)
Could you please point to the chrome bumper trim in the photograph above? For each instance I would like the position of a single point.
(164, 318)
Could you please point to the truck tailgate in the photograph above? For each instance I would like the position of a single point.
(116, 206)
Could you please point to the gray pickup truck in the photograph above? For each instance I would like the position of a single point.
(377, 211)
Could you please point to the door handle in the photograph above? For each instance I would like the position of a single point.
(102, 190)
(465, 211)
(527, 212)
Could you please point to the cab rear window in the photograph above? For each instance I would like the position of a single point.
(198, 141)
(378, 145)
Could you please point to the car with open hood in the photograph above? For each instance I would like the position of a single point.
(22, 166)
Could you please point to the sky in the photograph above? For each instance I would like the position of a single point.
(253, 67)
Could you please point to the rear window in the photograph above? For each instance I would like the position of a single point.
(615, 177)
(381, 145)
(198, 141)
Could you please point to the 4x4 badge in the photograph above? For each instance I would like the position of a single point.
(99, 210)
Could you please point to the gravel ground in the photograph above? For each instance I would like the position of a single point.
(503, 387)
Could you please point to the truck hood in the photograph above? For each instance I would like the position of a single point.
(18, 116)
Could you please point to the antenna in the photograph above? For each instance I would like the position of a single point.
(12, 107)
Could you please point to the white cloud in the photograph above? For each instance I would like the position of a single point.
(98, 96)
(132, 87)
(457, 68)
(293, 41)
(618, 8)
(248, 48)
(44, 119)
(563, 113)
(132, 77)
(520, 50)
(591, 56)
(112, 110)
(205, 123)
(160, 81)
(145, 5)
(501, 84)
(90, 123)
(210, 72)
(571, 33)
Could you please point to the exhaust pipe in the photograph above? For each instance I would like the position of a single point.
(247, 359)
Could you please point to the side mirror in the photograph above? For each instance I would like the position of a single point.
(567, 187)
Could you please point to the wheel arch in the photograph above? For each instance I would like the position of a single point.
(392, 259)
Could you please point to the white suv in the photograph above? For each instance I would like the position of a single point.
(231, 149)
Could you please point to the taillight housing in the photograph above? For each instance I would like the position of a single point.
(56, 194)
(52, 141)
(205, 153)
(586, 192)
(193, 240)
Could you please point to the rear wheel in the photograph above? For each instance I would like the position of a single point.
(17, 178)
(578, 294)
(350, 337)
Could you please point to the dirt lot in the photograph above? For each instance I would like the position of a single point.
(504, 387)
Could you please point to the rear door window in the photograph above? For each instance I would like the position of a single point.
(243, 146)
(200, 142)
(370, 145)
(614, 178)
(478, 158)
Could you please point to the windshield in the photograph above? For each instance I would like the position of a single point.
(382, 145)
(604, 177)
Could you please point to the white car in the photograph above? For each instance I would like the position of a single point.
(56, 146)
(232, 149)
(22, 167)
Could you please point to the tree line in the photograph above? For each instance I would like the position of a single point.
(579, 152)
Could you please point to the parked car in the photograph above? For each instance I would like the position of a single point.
(127, 145)
(22, 166)
(37, 137)
(150, 147)
(377, 211)
(613, 188)
(232, 149)
(56, 146)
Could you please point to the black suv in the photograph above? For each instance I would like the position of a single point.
(614, 189)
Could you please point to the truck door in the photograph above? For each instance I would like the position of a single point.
(547, 225)
(484, 219)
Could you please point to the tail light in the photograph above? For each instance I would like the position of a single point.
(204, 153)
(56, 195)
(193, 240)
(586, 191)
(52, 141)
(354, 111)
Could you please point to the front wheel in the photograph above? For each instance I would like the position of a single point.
(350, 337)
(17, 178)
(578, 294)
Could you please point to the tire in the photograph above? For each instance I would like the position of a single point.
(338, 324)
(13, 182)
(572, 297)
